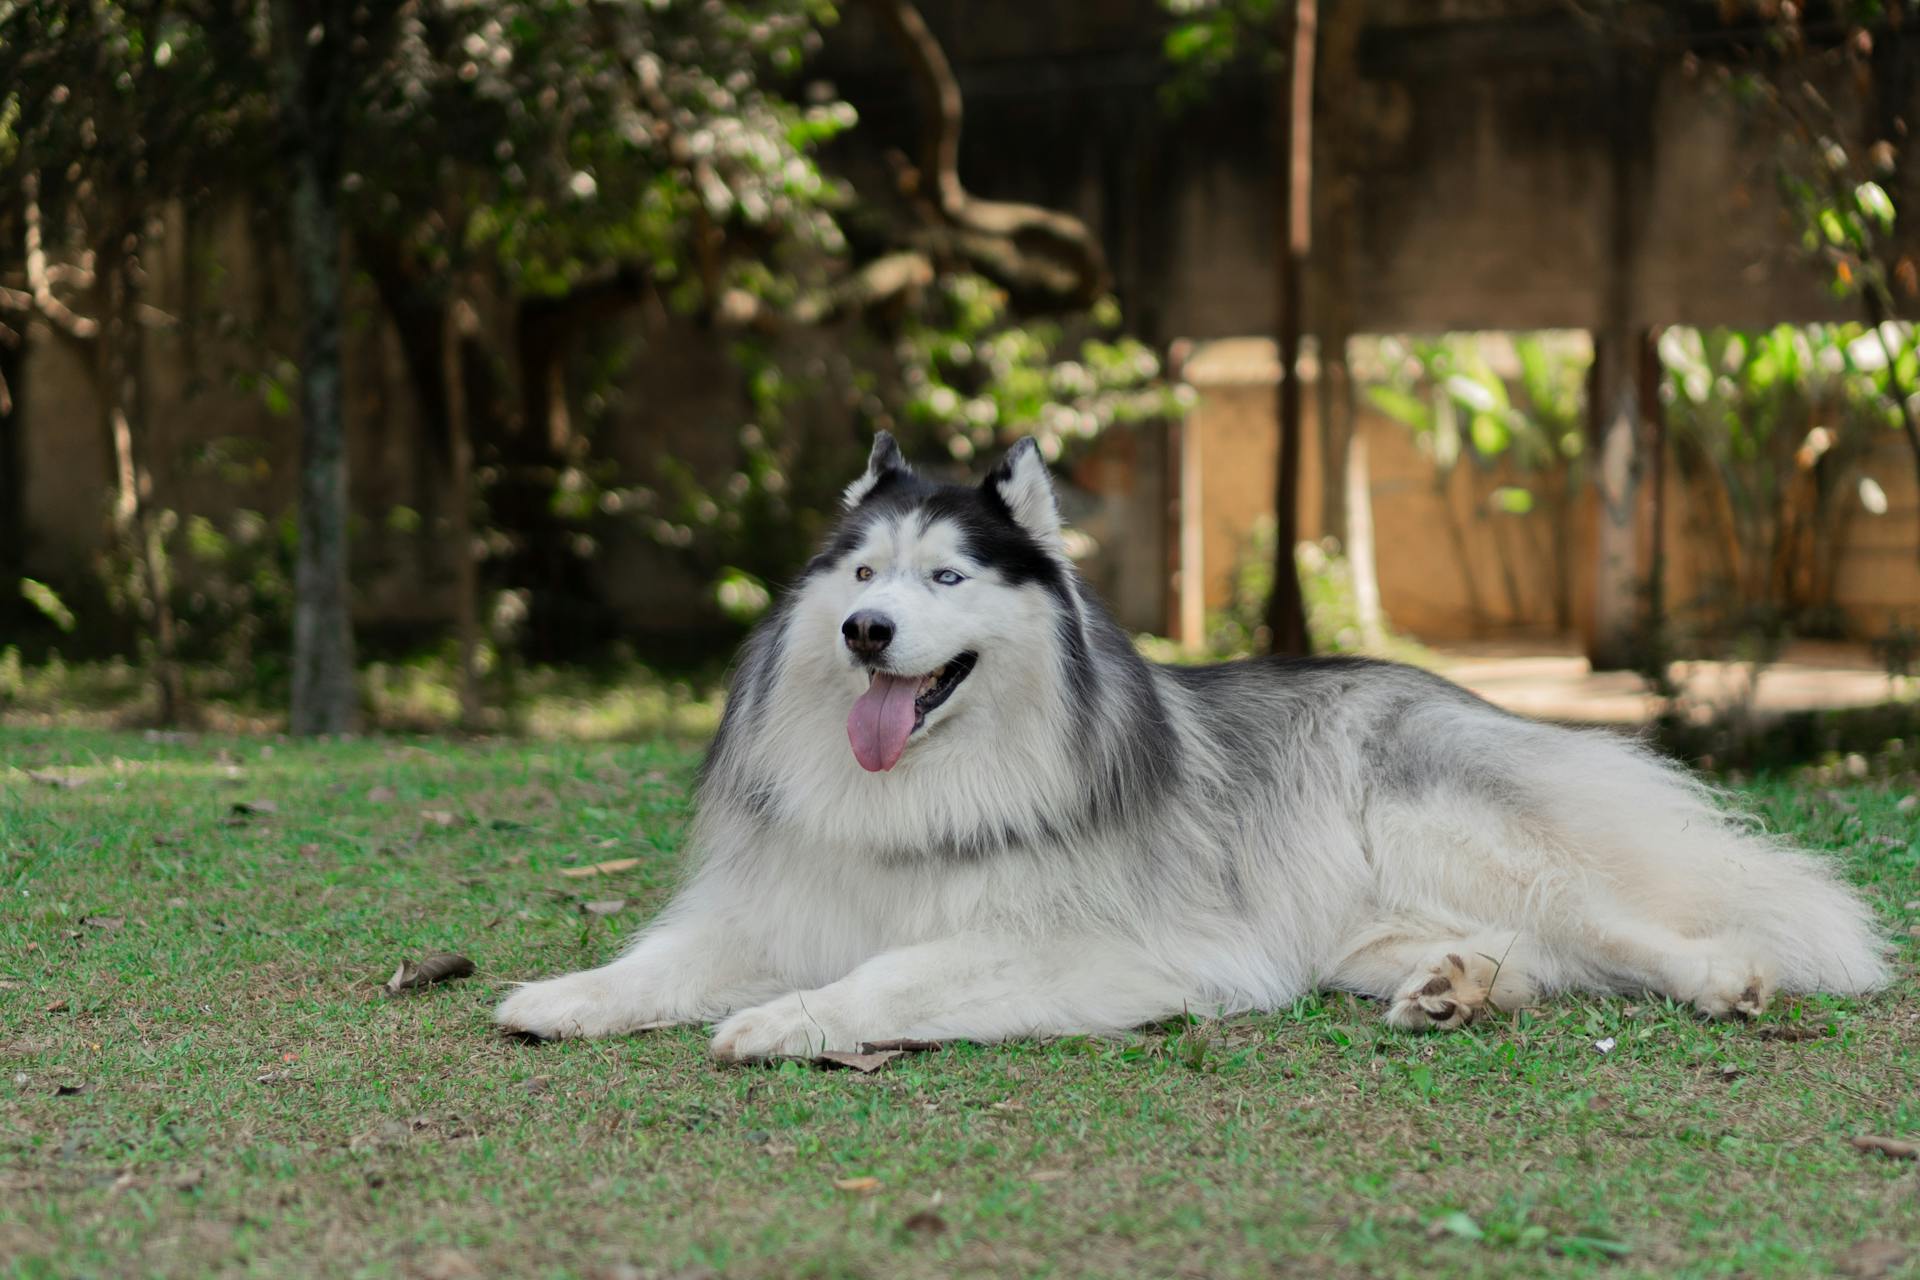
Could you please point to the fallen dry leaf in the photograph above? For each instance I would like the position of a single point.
(1872, 1259)
(860, 1186)
(111, 924)
(1795, 1032)
(604, 907)
(441, 966)
(11, 984)
(864, 1063)
(871, 1055)
(537, 1085)
(601, 868)
(255, 808)
(1049, 1175)
(309, 850)
(438, 817)
(381, 795)
(165, 839)
(1891, 1148)
(58, 1006)
(61, 781)
(924, 1223)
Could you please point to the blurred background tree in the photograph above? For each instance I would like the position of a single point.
(508, 178)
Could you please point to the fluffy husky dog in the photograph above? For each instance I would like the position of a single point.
(949, 801)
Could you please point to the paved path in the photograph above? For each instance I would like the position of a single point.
(1548, 678)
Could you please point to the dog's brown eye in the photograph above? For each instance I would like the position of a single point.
(863, 573)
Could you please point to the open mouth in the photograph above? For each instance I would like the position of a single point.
(894, 707)
(938, 685)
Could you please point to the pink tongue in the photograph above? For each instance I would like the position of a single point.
(881, 721)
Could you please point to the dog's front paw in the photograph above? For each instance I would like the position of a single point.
(788, 1027)
(578, 1005)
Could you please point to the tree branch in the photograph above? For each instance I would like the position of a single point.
(872, 286)
(1050, 260)
(57, 313)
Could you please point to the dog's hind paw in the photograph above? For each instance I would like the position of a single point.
(1735, 989)
(1449, 993)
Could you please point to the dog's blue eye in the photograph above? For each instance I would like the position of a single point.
(949, 578)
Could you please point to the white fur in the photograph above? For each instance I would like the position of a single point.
(1028, 493)
(1404, 840)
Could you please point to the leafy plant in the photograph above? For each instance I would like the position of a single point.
(1326, 582)
(1774, 423)
(1518, 433)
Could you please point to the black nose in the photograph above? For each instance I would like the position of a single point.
(868, 633)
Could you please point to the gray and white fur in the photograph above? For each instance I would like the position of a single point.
(1078, 840)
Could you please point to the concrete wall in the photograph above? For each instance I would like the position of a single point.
(1478, 146)
(1451, 568)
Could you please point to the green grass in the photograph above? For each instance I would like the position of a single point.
(252, 1103)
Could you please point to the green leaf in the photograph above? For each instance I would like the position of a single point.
(1592, 1247)
(1513, 500)
(1490, 433)
(1459, 1224)
(1832, 226)
(1875, 203)
(47, 601)
(1403, 407)
(1474, 393)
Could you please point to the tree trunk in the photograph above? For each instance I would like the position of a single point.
(13, 481)
(1654, 440)
(1360, 552)
(1286, 608)
(1614, 630)
(312, 101)
(137, 536)
(461, 323)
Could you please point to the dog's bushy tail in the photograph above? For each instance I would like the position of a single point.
(1645, 819)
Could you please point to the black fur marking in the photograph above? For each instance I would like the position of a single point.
(885, 455)
(749, 684)
(986, 525)
(976, 845)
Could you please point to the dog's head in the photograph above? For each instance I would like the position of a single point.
(937, 602)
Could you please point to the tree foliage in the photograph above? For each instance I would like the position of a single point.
(556, 163)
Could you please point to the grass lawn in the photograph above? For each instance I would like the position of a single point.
(201, 1075)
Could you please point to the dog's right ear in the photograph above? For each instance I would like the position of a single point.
(882, 462)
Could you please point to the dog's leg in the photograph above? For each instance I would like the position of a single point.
(689, 969)
(980, 987)
(1716, 975)
(1435, 978)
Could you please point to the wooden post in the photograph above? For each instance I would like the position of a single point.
(1286, 609)
(1617, 423)
(462, 324)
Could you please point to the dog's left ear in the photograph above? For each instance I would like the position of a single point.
(1022, 484)
(883, 461)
